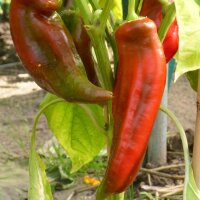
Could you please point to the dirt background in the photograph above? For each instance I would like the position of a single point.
(19, 100)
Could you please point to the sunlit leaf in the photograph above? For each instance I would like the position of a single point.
(188, 17)
(78, 128)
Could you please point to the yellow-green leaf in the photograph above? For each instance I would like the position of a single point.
(193, 192)
(188, 17)
(39, 187)
(79, 128)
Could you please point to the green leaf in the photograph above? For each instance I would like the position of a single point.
(116, 8)
(78, 128)
(39, 187)
(188, 17)
(192, 189)
(192, 76)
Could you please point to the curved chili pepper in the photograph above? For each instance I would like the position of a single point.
(47, 51)
(138, 91)
(153, 10)
(82, 42)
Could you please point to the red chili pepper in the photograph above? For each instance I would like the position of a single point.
(153, 10)
(138, 91)
(171, 41)
(82, 41)
(47, 51)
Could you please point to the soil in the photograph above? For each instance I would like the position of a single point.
(19, 101)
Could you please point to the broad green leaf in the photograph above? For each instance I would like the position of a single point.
(39, 187)
(78, 128)
(116, 8)
(192, 192)
(188, 17)
(192, 76)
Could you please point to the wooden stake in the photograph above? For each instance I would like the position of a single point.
(196, 149)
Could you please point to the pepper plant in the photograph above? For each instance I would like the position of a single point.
(66, 48)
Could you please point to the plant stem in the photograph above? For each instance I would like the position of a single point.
(101, 51)
(41, 112)
(33, 153)
(94, 4)
(137, 3)
(184, 143)
(131, 11)
(167, 21)
(103, 69)
(196, 148)
(85, 10)
(105, 14)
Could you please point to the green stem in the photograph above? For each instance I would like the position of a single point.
(33, 137)
(103, 69)
(131, 11)
(137, 3)
(41, 112)
(85, 10)
(167, 21)
(184, 143)
(111, 39)
(105, 15)
(101, 52)
(94, 4)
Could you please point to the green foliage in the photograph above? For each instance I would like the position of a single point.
(58, 167)
(192, 190)
(146, 195)
(192, 76)
(129, 193)
(78, 128)
(39, 187)
(188, 16)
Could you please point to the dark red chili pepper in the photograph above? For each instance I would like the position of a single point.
(82, 42)
(138, 91)
(153, 10)
(47, 51)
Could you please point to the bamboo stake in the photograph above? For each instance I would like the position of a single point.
(196, 149)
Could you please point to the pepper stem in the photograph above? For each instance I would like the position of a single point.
(131, 11)
(85, 10)
(105, 14)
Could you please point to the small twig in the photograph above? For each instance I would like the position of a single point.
(83, 189)
(177, 153)
(80, 190)
(161, 189)
(149, 179)
(177, 191)
(10, 64)
(167, 167)
(162, 174)
(70, 196)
